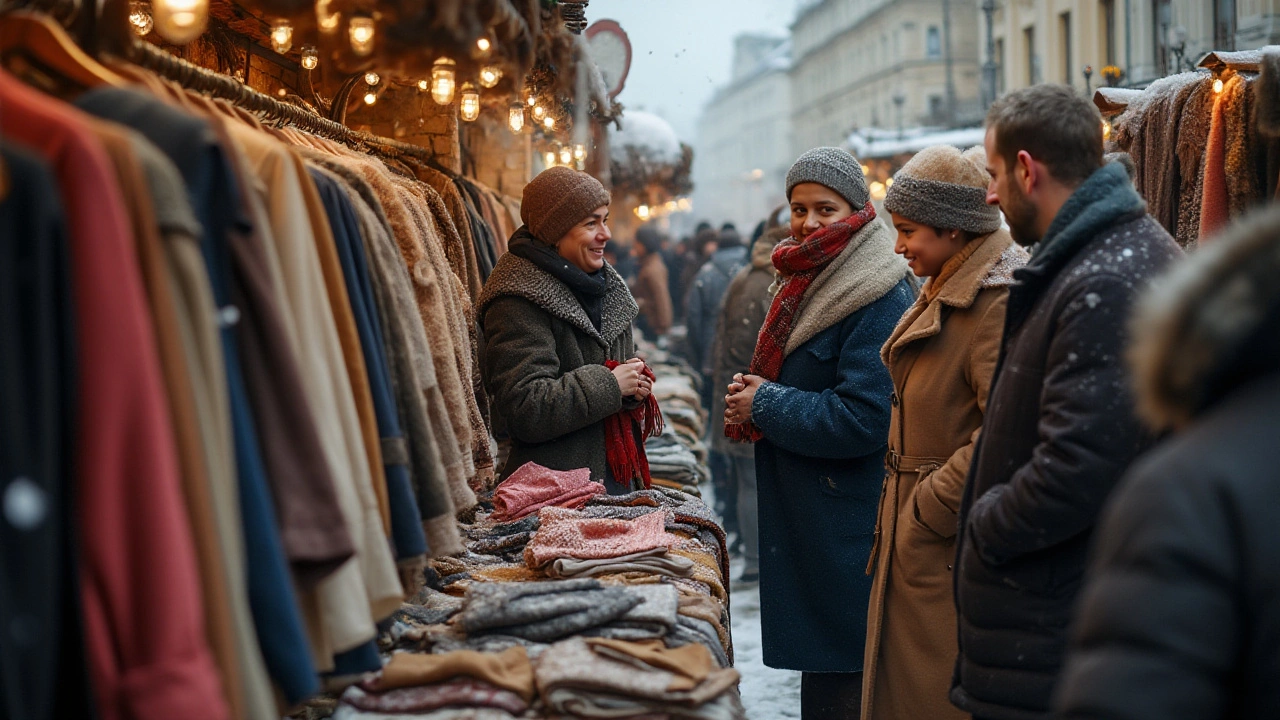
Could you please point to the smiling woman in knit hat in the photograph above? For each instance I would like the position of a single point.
(558, 357)
(816, 403)
(941, 356)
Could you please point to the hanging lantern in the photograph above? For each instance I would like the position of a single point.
(483, 46)
(443, 78)
(566, 155)
(282, 37)
(538, 112)
(470, 105)
(180, 21)
(532, 100)
(550, 158)
(360, 32)
(423, 85)
(579, 152)
(549, 123)
(489, 76)
(310, 58)
(140, 18)
(515, 117)
(370, 97)
(371, 78)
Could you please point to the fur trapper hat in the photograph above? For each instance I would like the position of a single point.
(834, 168)
(944, 188)
(558, 199)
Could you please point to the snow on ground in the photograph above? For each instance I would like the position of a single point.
(766, 693)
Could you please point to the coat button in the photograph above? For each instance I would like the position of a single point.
(25, 504)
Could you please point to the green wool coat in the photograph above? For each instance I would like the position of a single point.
(543, 365)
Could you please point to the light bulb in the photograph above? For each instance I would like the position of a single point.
(579, 152)
(310, 59)
(532, 100)
(140, 19)
(361, 31)
(1106, 130)
(515, 117)
(370, 97)
(470, 104)
(550, 158)
(549, 123)
(371, 78)
(566, 155)
(1217, 85)
(443, 79)
(538, 112)
(326, 19)
(484, 45)
(282, 37)
(489, 76)
(180, 21)
(423, 84)
(643, 212)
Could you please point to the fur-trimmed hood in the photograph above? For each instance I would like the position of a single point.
(516, 276)
(1210, 325)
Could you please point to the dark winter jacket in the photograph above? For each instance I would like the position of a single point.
(709, 286)
(652, 294)
(746, 304)
(1180, 616)
(543, 363)
(1058, 433)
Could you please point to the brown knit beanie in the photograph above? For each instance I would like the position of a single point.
(558, 199)
(944, 188)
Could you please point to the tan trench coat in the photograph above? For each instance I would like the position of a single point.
(941, 356)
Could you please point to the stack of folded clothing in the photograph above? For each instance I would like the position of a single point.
(677, 457)
(573, 535)
(609, 678)
(543, 612)
(533, 487)
(502, 684)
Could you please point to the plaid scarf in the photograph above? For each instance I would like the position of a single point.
(626, 457)
(798, 264)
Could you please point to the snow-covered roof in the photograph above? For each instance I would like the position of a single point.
(649, 134)
(875, 143)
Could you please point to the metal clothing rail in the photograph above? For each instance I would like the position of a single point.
(217, 85)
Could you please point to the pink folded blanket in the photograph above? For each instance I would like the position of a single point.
(569, 534)
(534, 487)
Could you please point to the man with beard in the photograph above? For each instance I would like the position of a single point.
(1059, 428)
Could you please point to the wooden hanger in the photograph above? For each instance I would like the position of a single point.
(35, 39)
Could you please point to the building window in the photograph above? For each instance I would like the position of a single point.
(1224, 24)
(1109, 31)
(1033, 60)
(1064, 41)
(933, 42)
(936, 109)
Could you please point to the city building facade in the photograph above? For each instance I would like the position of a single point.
(1034, 41)
(884, 64)
(744, 136)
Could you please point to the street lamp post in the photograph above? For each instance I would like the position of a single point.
(1088, 77)
(1178, 46)
(898, 100)
(989, 67)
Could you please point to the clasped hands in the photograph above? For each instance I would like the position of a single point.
(631, 379)
(742, 392)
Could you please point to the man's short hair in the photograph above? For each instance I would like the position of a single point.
(1055, 125)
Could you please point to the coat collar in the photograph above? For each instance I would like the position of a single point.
(521, 278)
(990, 265)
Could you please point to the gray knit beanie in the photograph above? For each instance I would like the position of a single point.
(944, 188)
(833, 168)
(558, 199)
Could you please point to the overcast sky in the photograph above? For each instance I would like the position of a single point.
(682, 49)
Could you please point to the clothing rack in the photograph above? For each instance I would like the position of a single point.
(214, 84)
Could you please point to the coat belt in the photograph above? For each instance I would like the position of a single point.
(907, 464)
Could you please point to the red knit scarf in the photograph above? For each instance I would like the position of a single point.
(798, 263)
(625, 456)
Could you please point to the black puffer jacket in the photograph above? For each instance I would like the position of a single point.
(1180, 617)
(1058, 434)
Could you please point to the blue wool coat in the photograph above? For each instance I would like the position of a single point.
(820, 469)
